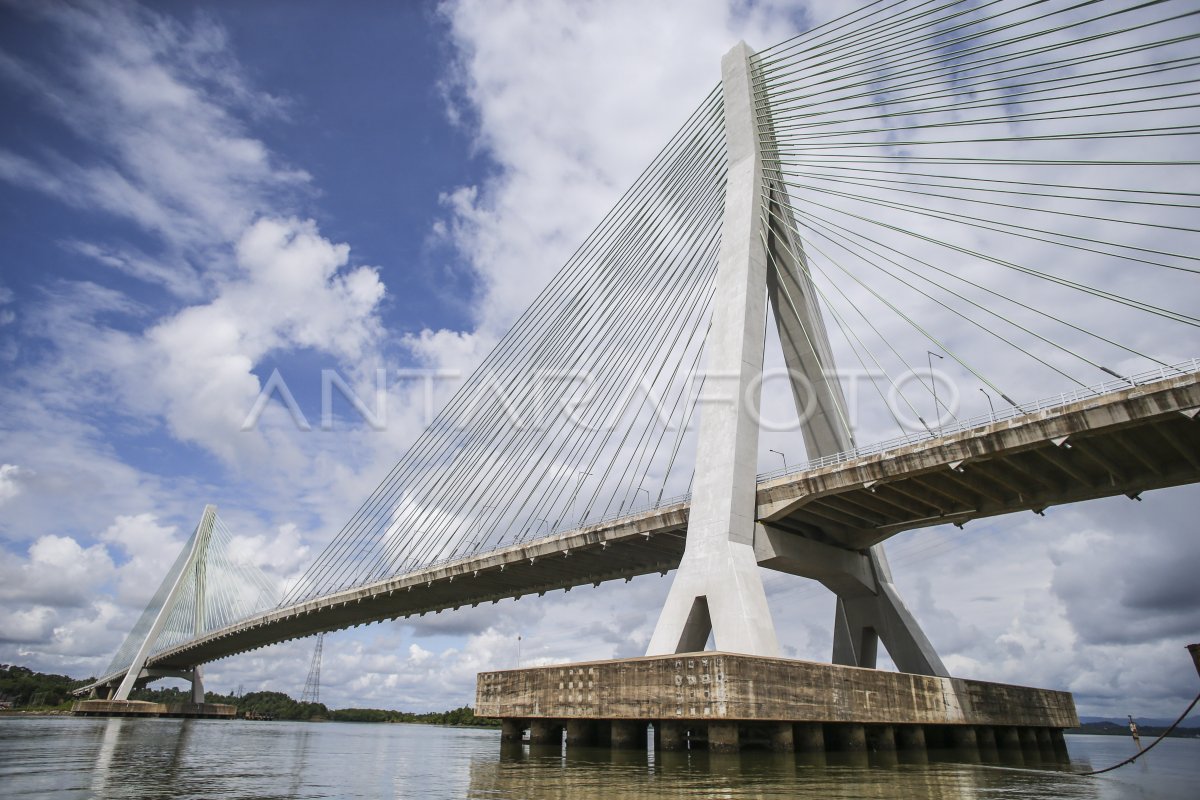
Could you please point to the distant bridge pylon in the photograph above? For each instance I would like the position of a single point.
(206, 589)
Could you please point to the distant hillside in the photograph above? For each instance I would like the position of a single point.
(1146, 731)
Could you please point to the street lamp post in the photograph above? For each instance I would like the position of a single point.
(990, 404)
(781, 455)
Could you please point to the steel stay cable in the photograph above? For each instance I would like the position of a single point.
(884, 339)
(639, 190)
(635, 263)
(609, 254)
(591, 467)
(650, 344)
(567, 346)
(940, 67)
(896, 52)
(927, 51)
(839, 242)
(1003, 91)
(781, 69)
(575, 264)
(644, 438)
(993, 292)
(791, 43)
(826, 369)
(922, 330)
(681, 397)
(1008, 264)
(1053, 115)
(1057, 195)
(979, 222)
(598, 346)
(1030, 209)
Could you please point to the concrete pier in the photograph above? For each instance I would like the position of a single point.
(140, 708)
(725, 702)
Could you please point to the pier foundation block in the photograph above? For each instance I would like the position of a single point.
(727, 702)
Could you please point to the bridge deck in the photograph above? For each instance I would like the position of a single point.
(1125, 442)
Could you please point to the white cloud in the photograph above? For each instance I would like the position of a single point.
(10, 481)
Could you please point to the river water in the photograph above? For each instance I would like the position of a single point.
(66, 757)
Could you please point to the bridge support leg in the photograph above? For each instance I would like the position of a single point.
(718, 586)
(197, 685)
(511, 730)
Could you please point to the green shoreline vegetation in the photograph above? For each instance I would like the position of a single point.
(31, 692)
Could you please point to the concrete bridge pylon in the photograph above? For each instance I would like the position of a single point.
(718, 589)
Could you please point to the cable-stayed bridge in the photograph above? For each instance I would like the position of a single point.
(1005, 188)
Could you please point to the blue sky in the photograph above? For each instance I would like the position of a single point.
(193, 195)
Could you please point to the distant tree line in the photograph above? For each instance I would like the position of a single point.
(25, 688)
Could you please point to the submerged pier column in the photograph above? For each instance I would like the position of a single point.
(1060, 745)
(850, 737)
(986, 737)
(783, 738)
(627, 734)
(809, 737)
(723, 737)
(670, 735)
(581, 732)
(1045, 745)
(512, 730)
(910, 744)
(964, 742)
(1029, 746)
(544, 731)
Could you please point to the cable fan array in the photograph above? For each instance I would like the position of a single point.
(580, 411)
(1009, 186)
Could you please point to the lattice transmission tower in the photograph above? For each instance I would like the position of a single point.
(312, 686)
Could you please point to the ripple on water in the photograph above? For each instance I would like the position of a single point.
(57, 757)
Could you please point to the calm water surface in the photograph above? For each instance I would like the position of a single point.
(63, 757)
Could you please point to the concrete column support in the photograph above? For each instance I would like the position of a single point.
(986, 737)
(670, 736)
(581, 733)
(1008, 744)
(197, 685)
(964, 742)
(1029, 745)
(511, 730)
(809, 737)
(723, 737)
(718, 587)
(627, 734)
(545, 732)
(1060, 745)
(882, 738)
(783, 738)
(1045, 745)
(849, 737)
(910, 744)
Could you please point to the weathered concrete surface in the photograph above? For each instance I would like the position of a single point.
(727, 686)
(1124, 442)
(140, 708)
(718, 587)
